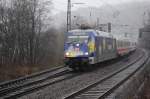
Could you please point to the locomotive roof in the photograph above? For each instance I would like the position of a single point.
(104, 34)
(95, 32)
(81, 30)
(120, 37)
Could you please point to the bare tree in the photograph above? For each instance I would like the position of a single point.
(21, 25)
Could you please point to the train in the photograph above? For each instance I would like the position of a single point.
(86, 47)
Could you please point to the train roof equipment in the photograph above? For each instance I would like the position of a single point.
(95, 32)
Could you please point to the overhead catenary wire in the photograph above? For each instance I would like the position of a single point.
(116, 10)
(113, 8)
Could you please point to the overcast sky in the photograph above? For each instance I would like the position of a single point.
(61, 5)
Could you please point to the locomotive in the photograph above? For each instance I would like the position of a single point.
(84, 48)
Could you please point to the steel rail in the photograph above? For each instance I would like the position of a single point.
(85, 89)
(16, 81)
(30, 80)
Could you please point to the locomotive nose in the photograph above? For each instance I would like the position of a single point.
(77, 50)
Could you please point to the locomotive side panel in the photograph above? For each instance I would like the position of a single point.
(105, 49)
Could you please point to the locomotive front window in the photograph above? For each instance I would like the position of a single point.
(78, 39)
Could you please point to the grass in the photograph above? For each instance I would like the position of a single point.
(13, 72)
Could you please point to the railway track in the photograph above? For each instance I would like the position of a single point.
(106, 85)
(33, 82)
(22, 79)
(26, 85)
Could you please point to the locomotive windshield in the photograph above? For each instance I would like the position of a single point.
(77, 39)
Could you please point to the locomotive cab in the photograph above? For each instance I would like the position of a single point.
(79, 48)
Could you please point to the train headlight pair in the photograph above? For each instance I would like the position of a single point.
(68, 54)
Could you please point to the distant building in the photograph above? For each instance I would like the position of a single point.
(104, 27)
(144, 37)
(144, 33)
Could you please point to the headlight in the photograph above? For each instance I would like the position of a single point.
(77, 44)
(86, 53)
(67, 54)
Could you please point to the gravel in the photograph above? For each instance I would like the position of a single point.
(59, 90)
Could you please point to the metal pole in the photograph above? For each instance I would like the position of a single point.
(109, 27)
(69, 16)
(97, 23)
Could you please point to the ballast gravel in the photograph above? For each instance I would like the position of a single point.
(63, 88)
